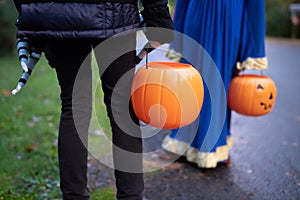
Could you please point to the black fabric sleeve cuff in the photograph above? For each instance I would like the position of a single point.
(147, 4)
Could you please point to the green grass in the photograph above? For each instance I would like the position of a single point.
(99, 145)
(28, 134)
(103, 194)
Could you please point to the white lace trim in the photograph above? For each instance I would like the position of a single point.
(253, 63)
(202, 159)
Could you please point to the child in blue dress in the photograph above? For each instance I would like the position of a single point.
(232, 32)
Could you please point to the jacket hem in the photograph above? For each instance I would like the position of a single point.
(76, 34)
(76, 1)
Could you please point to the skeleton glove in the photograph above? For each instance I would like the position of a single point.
(28, 57)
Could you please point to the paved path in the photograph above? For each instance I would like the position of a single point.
(266, 152)
(265, 158)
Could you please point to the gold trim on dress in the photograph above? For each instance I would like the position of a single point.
(253, 63)
(202, 159)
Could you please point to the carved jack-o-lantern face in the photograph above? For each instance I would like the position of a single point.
(252, 95)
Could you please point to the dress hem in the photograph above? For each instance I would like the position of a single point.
(202, 159)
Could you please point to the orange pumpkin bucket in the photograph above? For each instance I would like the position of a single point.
(252, 95)
(167, 94)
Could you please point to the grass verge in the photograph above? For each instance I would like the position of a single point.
(28, 134)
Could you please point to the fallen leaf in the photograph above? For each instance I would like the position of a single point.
(5, 92)
(36, 118)
(50, 117)
(19, 113)
(30, 124)
(31, 147)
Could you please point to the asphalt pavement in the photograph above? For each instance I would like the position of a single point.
(265, 158)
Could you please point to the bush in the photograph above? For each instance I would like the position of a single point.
(278, 21)
(8, 16)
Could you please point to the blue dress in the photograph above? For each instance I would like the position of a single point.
(228, 31)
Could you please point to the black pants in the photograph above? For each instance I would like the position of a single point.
(67, 57)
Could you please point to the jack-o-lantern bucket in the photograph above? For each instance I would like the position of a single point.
(252, 95)
(167, 94)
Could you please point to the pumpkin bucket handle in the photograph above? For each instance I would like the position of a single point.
(243, 72)
(147, 58)
(148, 47)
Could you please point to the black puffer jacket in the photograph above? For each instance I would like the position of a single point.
(88, 19)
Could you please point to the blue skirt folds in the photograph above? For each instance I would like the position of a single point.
(226, 32)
